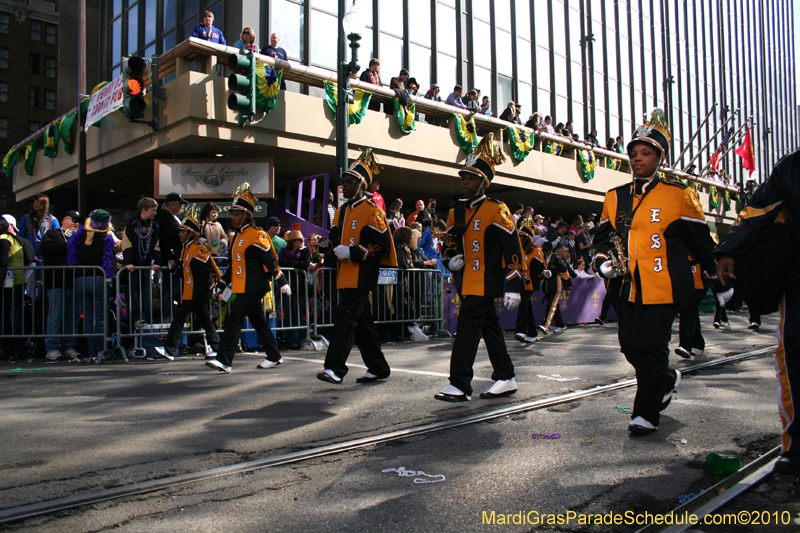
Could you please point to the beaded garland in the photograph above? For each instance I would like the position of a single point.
(144, 238)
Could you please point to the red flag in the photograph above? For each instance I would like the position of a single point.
(745, 151)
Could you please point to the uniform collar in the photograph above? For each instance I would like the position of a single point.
(472, 203)
(360, 200)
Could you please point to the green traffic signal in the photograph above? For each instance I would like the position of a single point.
(134, 74)
(243, 83)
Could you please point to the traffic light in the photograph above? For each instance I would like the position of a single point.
(134, 74)
(243, 83)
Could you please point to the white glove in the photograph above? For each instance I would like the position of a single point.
(342, 252)
(607, 270)
(287, 290)
(547, 274)
(457, 263)
(723, 297)
(512, 300)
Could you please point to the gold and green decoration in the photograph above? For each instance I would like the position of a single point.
(521, 142)
(613, 164)
(268, 86)
(588, 163)
(713, 197)
(30, 158)
(405, 116)
(9, 161)
(550, 147)
(726, 199)
(66, 133)
(466, 132)
(51, 137)
(357, 110)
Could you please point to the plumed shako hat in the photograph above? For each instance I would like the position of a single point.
(482, 161)
(654, 132)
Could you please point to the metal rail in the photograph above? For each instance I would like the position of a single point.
(51, 506)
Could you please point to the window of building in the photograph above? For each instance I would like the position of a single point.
(33, 97)
(33, 127)
(133, 29)
(50, 67)
(420, 30)
(3, 91)
(36, 30)
(3, 128)
(35, 63)
(49, 100)
(50, 33)
(5, 20)
(289, 22)
(325, 32)
(150, 12)
(3, 57)
(446, 29)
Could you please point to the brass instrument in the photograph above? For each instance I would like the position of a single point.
(451, 246)
(618, 258)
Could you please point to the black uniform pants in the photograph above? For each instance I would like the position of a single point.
(353, 324)
(199, 307)
(249, 306)
(689, 331)
(478, 318)
(787, 363)
(644, 334)
(552, 294)
(720, 313)
(613, 287)
(526, 324)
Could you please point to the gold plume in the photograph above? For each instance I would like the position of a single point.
(491, 150)
(658, 118)
(368, 159)
(192, 211)
(244, 191)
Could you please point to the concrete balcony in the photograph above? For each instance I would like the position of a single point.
(299, 135)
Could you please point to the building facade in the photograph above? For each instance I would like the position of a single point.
(600, 64)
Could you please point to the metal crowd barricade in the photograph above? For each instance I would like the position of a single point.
(40, 310)
(146, 299)
(403, 297)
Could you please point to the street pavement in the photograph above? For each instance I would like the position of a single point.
(72, 428)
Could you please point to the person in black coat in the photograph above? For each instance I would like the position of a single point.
(169, 224)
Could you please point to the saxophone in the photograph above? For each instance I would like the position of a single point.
(451, 246)
(618, 258)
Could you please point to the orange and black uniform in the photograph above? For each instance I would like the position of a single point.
(778, 201)
(533, 265)
(492, 266)
(689, 331)
(553, 287)
(200, 274)
(253, 263)
(361, 225)
(665, 224)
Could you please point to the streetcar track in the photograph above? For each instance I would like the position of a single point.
(60, 504)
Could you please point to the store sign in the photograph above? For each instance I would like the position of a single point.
(225, 209)
(213, 178)
(104, 101)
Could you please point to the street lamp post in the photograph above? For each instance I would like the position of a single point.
(352, 28)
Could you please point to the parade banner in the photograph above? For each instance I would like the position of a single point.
(105, 100)
(613, 164)
(51, 138)
(405, 116)
(357, 110)
(713, 197)
(554, 148)
(268, 86)
(583, 305)
(30, 158)
(588, 162)
(521, 142)
(465, 133)
(213, 178)
(9, 162)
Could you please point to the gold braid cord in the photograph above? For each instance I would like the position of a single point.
(491, 150)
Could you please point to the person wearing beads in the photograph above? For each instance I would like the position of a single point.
(200, 274)
(140, 248)
(213, 236)
(253, 262)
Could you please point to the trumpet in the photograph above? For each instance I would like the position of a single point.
(618, 257)
(451, 246)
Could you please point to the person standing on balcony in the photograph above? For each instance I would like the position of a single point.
(454, 98)
(371, 76)
(207, 31)
(247, 40)
(488, 267)
(361, 241)
(276, 52)
(486, 106)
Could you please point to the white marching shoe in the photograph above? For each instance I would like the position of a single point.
(266, 363)
(500, 389)
(452, 394)
(640, 426)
